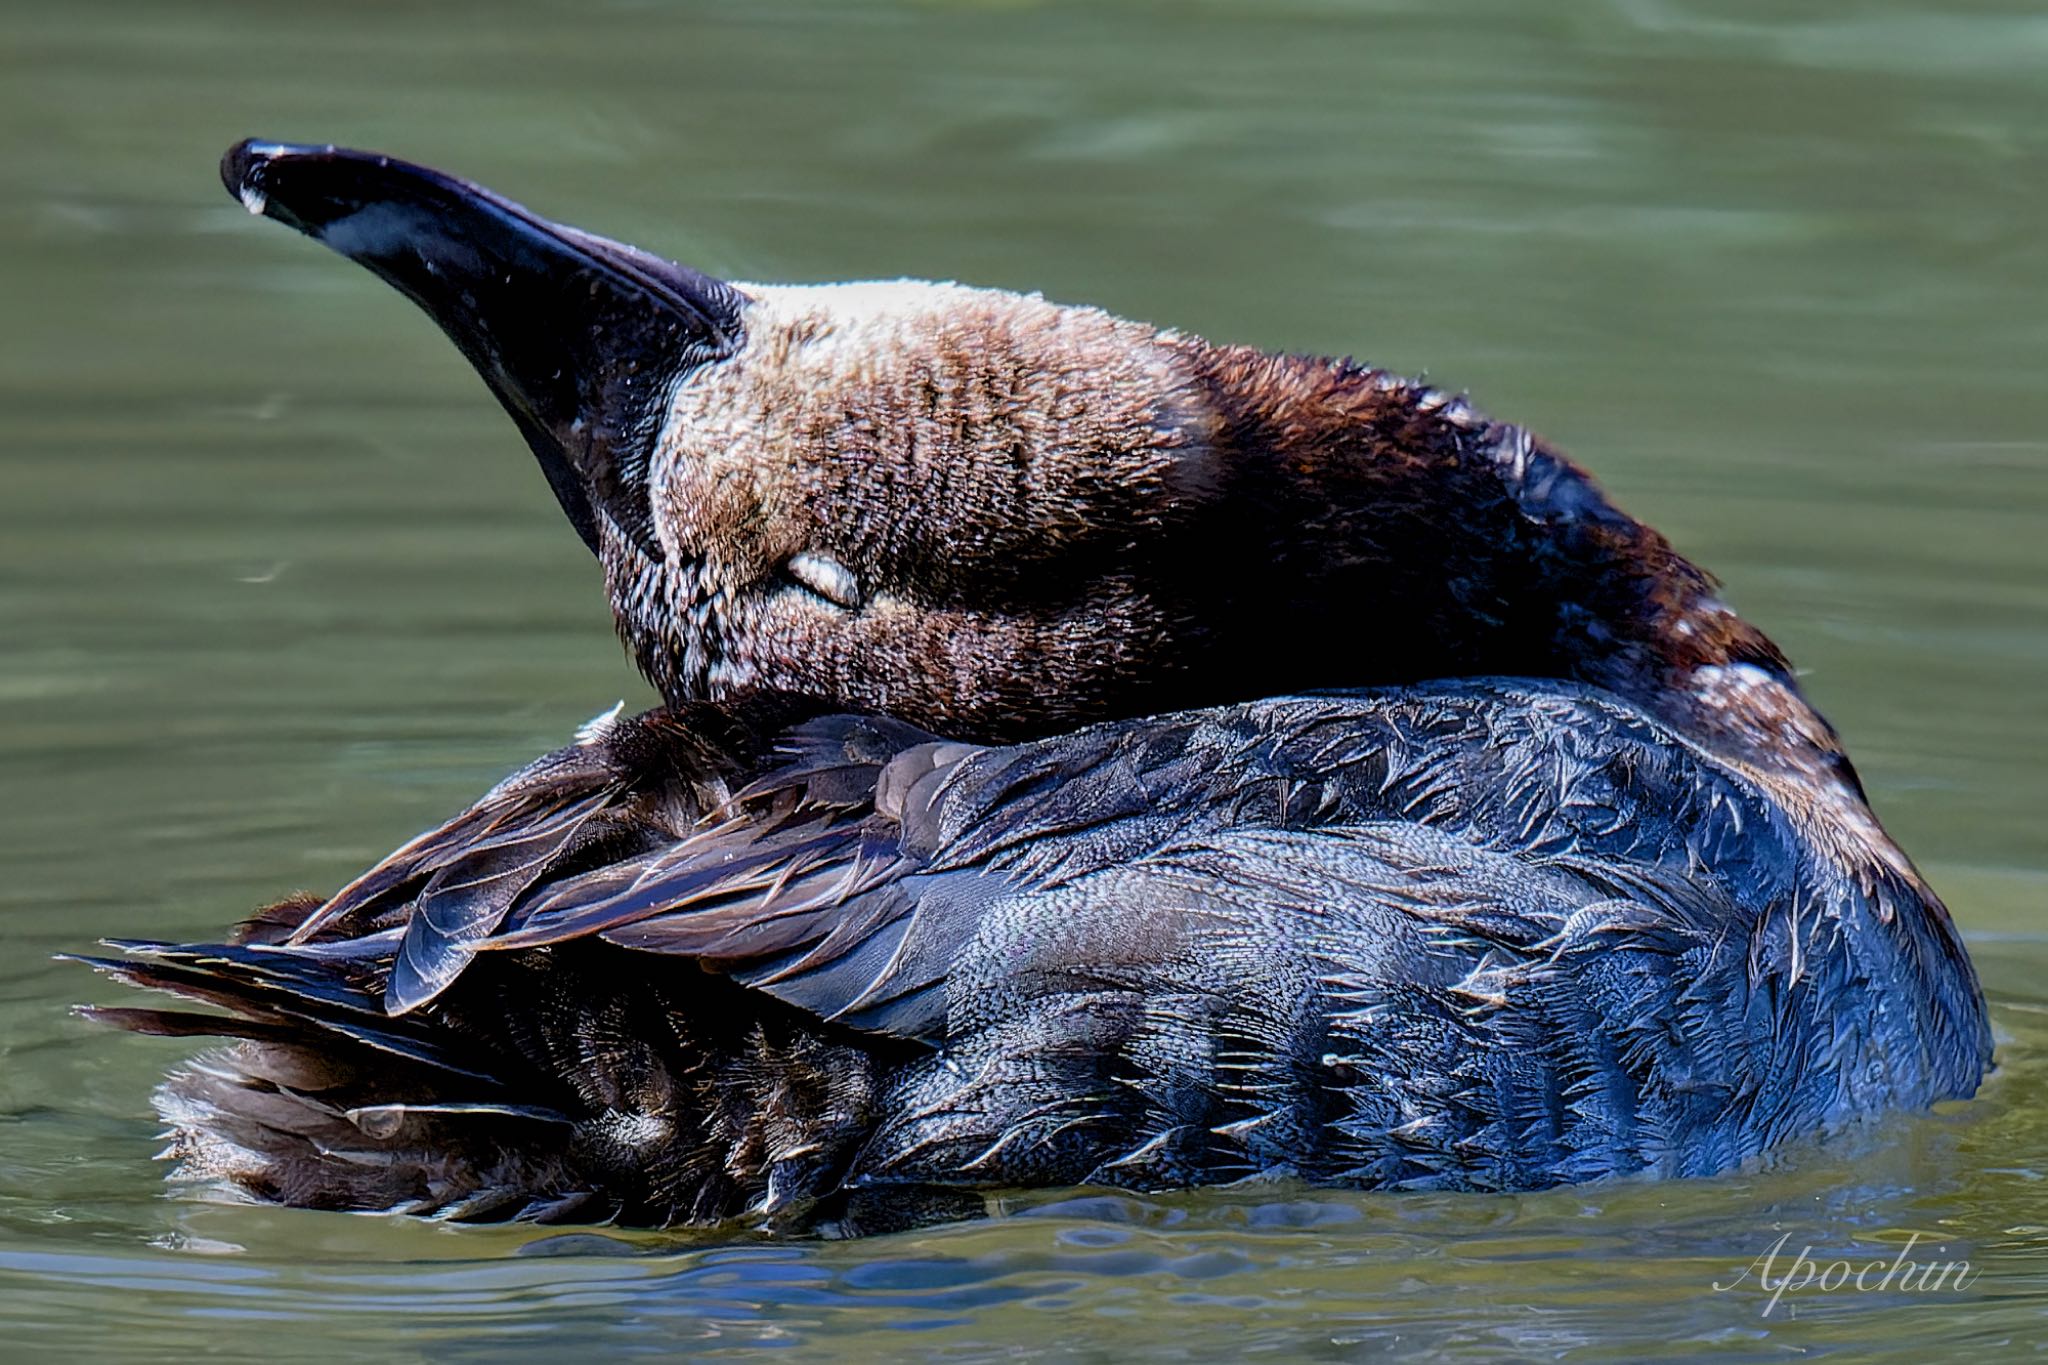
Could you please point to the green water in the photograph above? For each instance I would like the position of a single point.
(278, 584)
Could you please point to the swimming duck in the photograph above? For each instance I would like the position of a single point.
(1088, 755)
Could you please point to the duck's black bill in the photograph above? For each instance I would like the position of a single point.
(581, 338)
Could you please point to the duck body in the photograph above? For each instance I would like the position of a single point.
(1014, 816)
(1490, 934)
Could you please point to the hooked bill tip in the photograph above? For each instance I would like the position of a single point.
(245, 168)
(241, 169)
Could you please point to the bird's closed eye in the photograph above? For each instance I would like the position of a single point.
(826, 577)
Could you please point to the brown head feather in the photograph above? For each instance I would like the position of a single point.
(997, 517)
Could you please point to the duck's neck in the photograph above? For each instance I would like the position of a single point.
(1447, 545)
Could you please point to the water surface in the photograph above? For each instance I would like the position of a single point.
(278, 585)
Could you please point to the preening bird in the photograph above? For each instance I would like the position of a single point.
(1088, 755)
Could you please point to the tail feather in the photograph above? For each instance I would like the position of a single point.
(181, 1023)
(324, 1102)
(234, 1131)
(286, 992)
(578, 1082)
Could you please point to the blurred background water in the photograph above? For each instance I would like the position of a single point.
(279, 585)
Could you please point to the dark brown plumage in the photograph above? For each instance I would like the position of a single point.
(987, 835)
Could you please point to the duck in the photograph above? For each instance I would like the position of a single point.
(1088, 755)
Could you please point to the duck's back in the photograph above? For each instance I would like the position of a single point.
(1493, 935)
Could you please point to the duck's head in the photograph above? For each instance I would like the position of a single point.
(998, 516)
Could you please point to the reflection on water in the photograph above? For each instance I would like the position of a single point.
(277, 585)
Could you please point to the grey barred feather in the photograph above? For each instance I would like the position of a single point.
(1492, 935)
